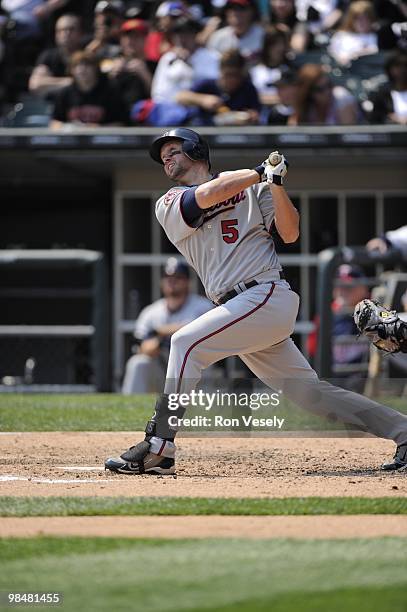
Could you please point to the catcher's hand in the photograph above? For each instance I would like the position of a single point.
(383, 327)
(275, 168)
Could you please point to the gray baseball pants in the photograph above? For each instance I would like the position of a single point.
(256, 325)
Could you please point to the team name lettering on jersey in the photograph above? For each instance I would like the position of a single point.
(226, 205)
(233, 200)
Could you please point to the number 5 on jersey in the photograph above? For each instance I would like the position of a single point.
(230, 232)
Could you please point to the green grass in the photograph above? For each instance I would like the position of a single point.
(102, 412)
(197, 575)
(384, 599)
(179, 506)
(112, 412)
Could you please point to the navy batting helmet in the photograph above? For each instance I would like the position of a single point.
(194, 147)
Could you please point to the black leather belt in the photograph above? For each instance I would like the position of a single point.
(231, 294)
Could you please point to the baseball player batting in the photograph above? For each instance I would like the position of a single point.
(221, 224)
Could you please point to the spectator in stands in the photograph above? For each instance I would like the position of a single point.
(283, 16)
(357, 35)
(282, 13)
(187, 62)
(159, 39)
(145, 371)
(130, 71)
(282, 112)
(90, 100)
(201, 10)
(319, 18)
(230, 99)
(30, 15)
(274, 61)
(351, 288)
(51, 73)
(390, 102)
(84, 9)
(318, 101)
(394, 239)
(241, 32)
(211, 25)
(108, 18)
(29, 25)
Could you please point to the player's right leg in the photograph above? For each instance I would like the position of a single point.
(283, 366)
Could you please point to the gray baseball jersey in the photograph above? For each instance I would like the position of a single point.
(232, 241)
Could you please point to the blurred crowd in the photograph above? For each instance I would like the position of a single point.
(202, 62)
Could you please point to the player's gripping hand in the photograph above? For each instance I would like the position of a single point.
(275, 168)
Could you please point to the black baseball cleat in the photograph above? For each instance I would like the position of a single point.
(399, 460)
(152, 464)
(140, 459)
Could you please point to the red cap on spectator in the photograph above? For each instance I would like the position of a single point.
(134, 25)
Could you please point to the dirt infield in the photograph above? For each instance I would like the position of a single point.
(254, 527)
(71, 463)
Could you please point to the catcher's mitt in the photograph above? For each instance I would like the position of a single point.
(383, 327)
